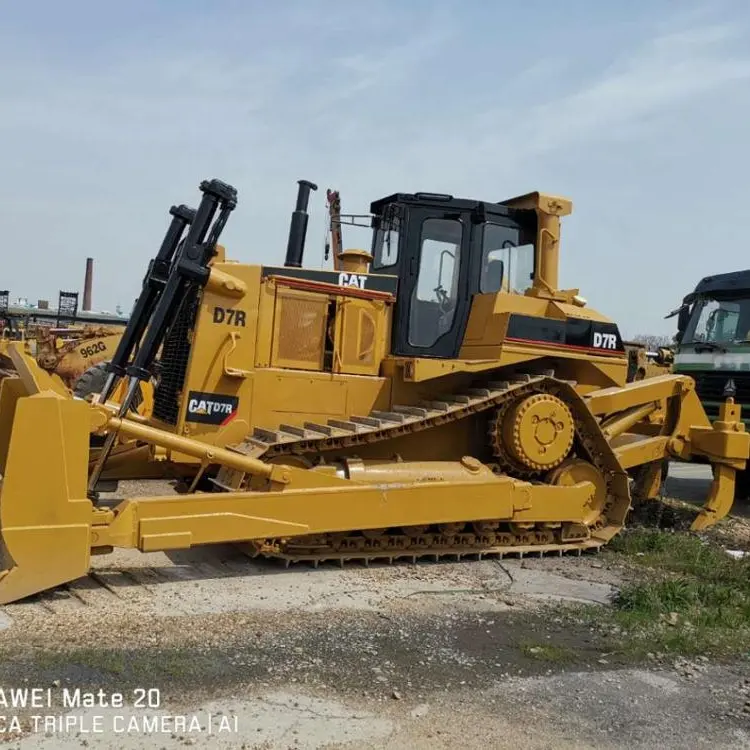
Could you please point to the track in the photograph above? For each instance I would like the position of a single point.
(312, 441)
(394, 547)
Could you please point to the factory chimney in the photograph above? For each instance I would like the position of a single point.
(88, 283)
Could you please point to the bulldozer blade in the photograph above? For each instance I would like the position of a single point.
(720, 498)
(45, 516)
(50, 529)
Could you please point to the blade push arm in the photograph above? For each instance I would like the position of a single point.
(153, 284)
(189, 267)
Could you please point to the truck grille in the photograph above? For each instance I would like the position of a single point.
(174, 359)
(710, 388)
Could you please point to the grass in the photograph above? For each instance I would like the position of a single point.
(547, 652)
(688, 596)
(112, 664)
(108, 661)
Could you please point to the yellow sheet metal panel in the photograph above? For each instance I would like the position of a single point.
(214, 403)
(360, 336)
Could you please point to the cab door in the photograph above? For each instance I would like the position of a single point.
(433, 304)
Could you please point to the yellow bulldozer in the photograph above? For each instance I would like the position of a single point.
(401, 406)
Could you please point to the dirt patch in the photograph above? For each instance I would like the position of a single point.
(433, 651)
(732, 533)
(615, 709)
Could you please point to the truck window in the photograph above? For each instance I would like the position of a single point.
(719, 321)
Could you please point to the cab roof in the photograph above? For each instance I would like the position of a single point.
(735, 282)
(449, 202)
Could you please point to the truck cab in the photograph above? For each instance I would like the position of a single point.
(713, 340)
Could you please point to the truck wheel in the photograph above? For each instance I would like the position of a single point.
(89, 383)
(92, 381)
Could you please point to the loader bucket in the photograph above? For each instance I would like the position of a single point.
(45, 515)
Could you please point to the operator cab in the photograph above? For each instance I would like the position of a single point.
(445, 250)
(717, 313)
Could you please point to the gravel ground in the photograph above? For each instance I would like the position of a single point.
(618, 709)
(436, 655)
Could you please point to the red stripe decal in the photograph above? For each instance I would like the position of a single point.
(556, 345)
(324, 286)
(229, 418)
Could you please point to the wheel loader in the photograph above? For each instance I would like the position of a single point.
(72, 352)
(439, 395)
(75, 357)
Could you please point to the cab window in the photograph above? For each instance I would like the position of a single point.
(433, 304)
(385, 241)
(507, 265)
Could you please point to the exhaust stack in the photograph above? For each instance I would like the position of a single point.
(88, 283)
(295, 248)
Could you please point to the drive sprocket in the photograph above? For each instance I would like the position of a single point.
(534, 433)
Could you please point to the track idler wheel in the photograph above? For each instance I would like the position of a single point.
(576, 470)
(535, 433)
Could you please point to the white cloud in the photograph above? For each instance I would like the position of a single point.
(97, 144)
(664, 71)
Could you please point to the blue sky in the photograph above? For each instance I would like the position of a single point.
(637, 111)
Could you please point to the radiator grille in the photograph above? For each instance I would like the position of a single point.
(710, 389)
(301, 329)
(710, 385)
(174, 359)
